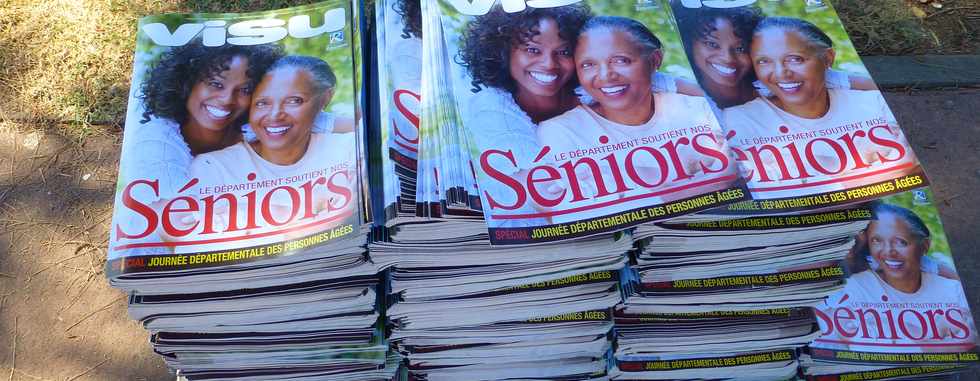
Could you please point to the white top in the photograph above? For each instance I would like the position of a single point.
(495, 121)
(157, 150)
(866, 290)
(154, 150)
(582, 129)
(328, 153)
(760, 120)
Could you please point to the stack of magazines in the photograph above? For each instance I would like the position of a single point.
(240, 221)
(461, 308)
(527, 189)
(738, 281)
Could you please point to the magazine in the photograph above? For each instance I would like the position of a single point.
(903, 305)
(240, 143)
(583, 117)
(399, 47)
(808, 127)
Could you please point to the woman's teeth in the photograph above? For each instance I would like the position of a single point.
(613, 90)
(724, 69)
(543, 77)
(894, 264)
(790, 85)
(217, 112)
(276, 130)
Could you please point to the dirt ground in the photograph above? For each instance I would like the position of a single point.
(60, 320)
(63, 85)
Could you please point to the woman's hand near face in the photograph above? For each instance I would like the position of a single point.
(343, 125)
(687, 87)
(861, 83)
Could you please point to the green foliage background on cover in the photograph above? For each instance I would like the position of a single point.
(337, 55)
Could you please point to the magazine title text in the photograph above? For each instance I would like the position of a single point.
(252, 32)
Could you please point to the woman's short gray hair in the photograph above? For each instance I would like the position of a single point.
(323, 76)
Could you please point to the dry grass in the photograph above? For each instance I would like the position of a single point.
(70, 61)
(900, 27)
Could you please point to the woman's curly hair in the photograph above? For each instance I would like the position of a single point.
(487, 40)
(168, 84)
(411, 13)
(698, 24)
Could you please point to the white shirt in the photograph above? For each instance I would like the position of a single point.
(852, 109)
(866, 290)
(582, 128)
(154, 150)
(329, 153)
(495, 121)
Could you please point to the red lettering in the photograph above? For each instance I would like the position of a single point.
(573, 179)
(270, 215)
(503, 179)
(825, 321)
(675, 159)
(412, 119)
(852, 148)
(931, 314)
(308, 211)
(551, 175)
(887, 143)
(232, 212)
(797, 160)
(340, 189)
(864, 323)
(905, 328)
(634, 175)
(837, 321)
(711, 151)
(140, 208)
(815, 162)
(171, 208)
(958, 321)
(617, 174)
(758, 163)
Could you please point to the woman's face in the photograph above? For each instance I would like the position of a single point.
(721, 57)
(284, 107)
(216, 102)
(897, 251)
(790, 66)
(543, 65)
(614, 70)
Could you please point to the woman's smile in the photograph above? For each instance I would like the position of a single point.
(616, 72)
(542, 65)
(284, 108)
(216, 101)
(721, 56)
(794, 70)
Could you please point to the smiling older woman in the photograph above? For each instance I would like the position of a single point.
(285, 117)
(914, 307)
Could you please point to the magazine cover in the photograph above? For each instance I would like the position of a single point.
(903, 304)
(807, 125)
(399, 35)
(240, 141)
(584, 117)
